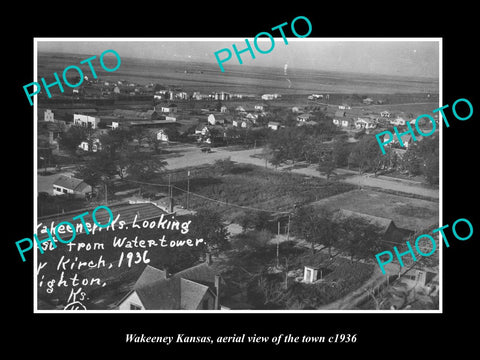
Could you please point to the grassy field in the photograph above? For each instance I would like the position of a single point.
(253, 186)
(406, 212)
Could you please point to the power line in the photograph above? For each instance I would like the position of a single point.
(230, 204)
(209, 199)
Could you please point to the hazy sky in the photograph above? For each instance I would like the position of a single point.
(386, 56)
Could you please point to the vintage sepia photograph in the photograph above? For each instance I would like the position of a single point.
(267, 184)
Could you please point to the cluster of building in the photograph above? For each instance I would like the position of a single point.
(96, 88)
(348, 118)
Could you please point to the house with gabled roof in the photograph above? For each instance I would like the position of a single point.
(365, 123)
(304, 117)
(385, 227)
(70, 185)
(274, 125)
(195, 288)
(339, 117)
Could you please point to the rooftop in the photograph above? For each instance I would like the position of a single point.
(143, 211)
(70, 183)
(183, 290)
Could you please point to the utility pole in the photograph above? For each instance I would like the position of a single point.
(288, 228)
(188, 188)
(169, 187)
(278, 244)
(106, 193)
(286, 273)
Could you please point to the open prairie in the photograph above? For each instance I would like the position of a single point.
(204, 77)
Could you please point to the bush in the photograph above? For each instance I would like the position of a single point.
(252, 240)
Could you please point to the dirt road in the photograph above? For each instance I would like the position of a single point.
(192, 156)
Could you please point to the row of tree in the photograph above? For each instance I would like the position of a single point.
(353, 235)
(117, 157)
(325, 146)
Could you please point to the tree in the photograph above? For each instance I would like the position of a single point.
(70, 139)
(412, 161)
(275, 156)
(208, 225)
(116, 140)
(100, 169)
(225, 166)
(367, 156)
(315, 225)
(359, 237)
(422, 158)
(257, 220)
(252, 240)
(326, 164)
(341, 150)
(312, 149)
(432, 169)
(142, 165)
(218, 105)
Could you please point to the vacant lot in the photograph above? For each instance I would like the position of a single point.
(408, 213)
(252, 186)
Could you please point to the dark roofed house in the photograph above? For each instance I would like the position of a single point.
(149, 275)
(70, 185)
(195, 288)
(386, 227)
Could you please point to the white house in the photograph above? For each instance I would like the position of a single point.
(182, 95)
(259, 107)
(273, 125)
(162, 135)
(341, 120)
(48, 115)
(85, 145)
(385, 114)
(368, 101)
(310, 274)
(223, 109)
(70, 185)
(344, 107)
(420, 278)
(244, 123)
(86, 121)
(211, 119)
(172, 108)
(195, 288)
(304, 117)
(398, 121)
(365, 123)
(270, 96)
(346, 122)
(203, 130)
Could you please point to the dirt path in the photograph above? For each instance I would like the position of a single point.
(192, 156)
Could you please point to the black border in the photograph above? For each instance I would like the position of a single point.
(377, 333)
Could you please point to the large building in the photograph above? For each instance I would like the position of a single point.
(86, 121)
